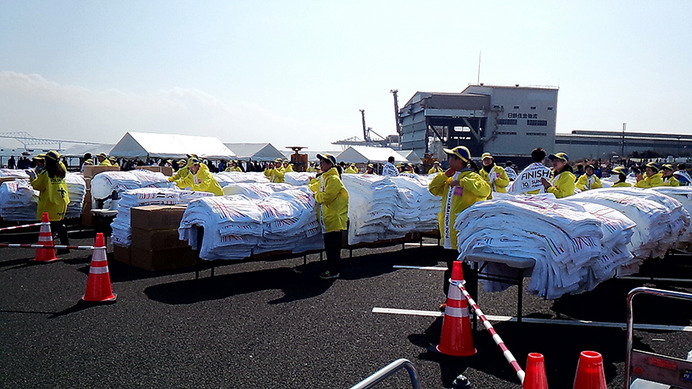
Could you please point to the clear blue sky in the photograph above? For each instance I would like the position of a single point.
(297, 72)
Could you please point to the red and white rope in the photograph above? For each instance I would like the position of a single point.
(486, 323)
(40, 246)
(19, 227)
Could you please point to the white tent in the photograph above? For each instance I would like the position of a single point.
(147, 145)
(255, 151)
(78, 150)
(365, 154)
(410, 155)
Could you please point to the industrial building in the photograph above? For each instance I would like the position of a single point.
(506, 121)
(582, 144)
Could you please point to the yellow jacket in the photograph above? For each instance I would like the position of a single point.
(53, 197)
(105, 162)
(472, 188)
(311, 169)
(501, 180)
(622, 185)
(562, 185)
(671, 181)
(288, 168)
(275, 174)
(435, 170)
(650, 182)
(351, 170)
(180, 174)
(332, 197)
(234, 169)
(203, 181)
(583, 181)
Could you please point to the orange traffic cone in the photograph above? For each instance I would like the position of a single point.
(535, 372)
(98, 287)
(45, 238)
(456, 338)
(590, 373)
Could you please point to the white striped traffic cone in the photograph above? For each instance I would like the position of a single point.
(98, 289)
(45, 238)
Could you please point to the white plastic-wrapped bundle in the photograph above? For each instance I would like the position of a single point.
(76, 188)
(683, 194)
(425, 202)
(370, 207)
(255, 190)
(13, 173)
(237, 226)
(298, 178)
(122, 233)
(228, 178)
(660, 219)
(563, 238)
(105, 183)
(18, 200)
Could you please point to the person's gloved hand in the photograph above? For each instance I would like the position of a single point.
(31, 173)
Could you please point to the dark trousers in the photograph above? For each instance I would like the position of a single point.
(58, 227)
(332, 247)
(469, 274)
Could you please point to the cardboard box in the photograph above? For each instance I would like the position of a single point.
(156, 217)
(121, 254)
(162, 260)
(166, 170)
(91, 170)
(156, 240)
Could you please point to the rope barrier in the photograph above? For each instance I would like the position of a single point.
(18, 227)
(486, 323)
(40, 246)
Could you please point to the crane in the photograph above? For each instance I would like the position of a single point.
(27, 140)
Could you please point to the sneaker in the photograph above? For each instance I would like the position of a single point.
(327, 275)
(442, 307)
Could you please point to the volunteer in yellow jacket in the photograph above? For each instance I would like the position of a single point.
(103, 160)
(667, 176)
(562, 183)
(436, 168)
(275, 173)
(53, 197)
(370, 169)
(332, 213)
(351, 169)
(622, 176)
(494, 175)
(651, 179)
(288, 167)
(233, 167)
(460, 187)
(180, 176)
(589, 180)
(200, 178)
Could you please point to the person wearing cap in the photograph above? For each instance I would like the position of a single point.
(389, 169)
(53, 197)
(352, 169)
(200, 179)
(113, 161)
(288, 167)
(180, 175)
(494, 175)
(276, 173)
(652, 177)
(436, 168)
(409, 168)
(588, 180)
(622, 177)
(370, 169)
(667, 175)
(103, 160)
(332, 213)
(562, 182)
(39, 162)
(460, 187)
(311, 168)
(233, 167)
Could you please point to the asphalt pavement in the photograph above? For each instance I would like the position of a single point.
(275, 324)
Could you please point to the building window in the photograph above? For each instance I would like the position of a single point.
(507, 122)
(516, 107)
(536, 134)
(506, 133)
(550, 108)
(496, 106)
(537, 122)
(533, 107)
